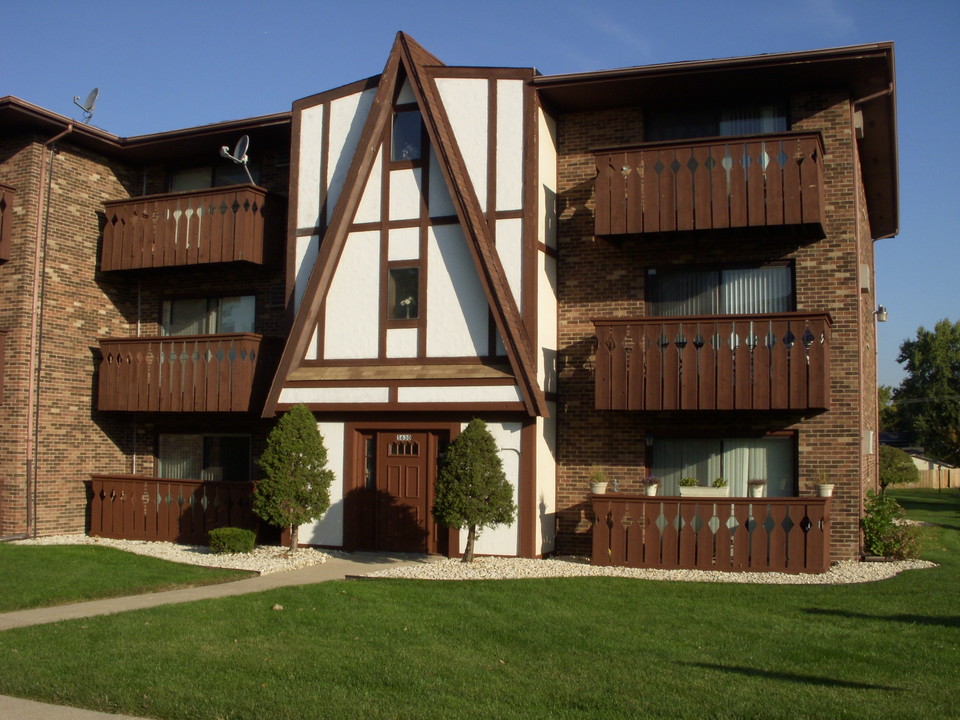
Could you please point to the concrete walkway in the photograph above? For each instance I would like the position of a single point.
(337, 568)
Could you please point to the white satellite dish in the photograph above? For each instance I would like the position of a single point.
(239, 155)
(88, 104)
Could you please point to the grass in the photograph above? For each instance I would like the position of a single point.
(46, 575)
(560, 648)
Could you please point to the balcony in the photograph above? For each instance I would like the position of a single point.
(731, 182)
(742, 362)
(790, 535)
(184, 373)
(6, 221)
(188, 228)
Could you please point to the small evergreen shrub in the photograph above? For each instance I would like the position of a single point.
(896, 467)
(232, 540)
(881, 534)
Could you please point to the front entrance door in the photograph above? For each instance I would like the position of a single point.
(402, 519)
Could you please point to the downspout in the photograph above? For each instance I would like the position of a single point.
(44, 183)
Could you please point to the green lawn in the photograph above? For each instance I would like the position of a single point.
(560, 648)
(44, 575)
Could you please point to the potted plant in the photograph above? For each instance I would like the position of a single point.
(689, 487)
(757, 487)
(824, 486)
(651, 485)
(598, 480)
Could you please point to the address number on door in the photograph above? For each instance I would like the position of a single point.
(402, 437)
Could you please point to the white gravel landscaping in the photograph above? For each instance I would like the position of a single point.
(271, 559)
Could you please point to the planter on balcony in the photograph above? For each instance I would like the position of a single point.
(700, 491)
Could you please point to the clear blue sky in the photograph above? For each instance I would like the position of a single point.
(168, 65)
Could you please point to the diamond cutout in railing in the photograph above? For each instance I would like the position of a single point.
(625, 170)
(782, 158)
(805, 524)
(219, 354)
(698, 341)
(663, 342)
(223, 208)
(243, 354)
(746, 161)
(235, 207)
(789, 339)
(253, 355)
(246, 205)
(675, 166)
(163, 357)
(710, 163)
(727, 162)
(232, 354)
(771, 339)
(195, 356)
(208, 356)
(808, 338)
(692, 164)
(611, 344)
(658, 167)
(764, 158)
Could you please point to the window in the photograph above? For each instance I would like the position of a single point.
(714, 122)
(210, 176)
(737, 460)
(407, 136)
(403, 293)
(204, 457)
(208, 316)
(733, 291)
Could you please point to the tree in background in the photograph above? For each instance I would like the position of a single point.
(295, 487)
(889, 415)
(472, 490)
(896, 467)
(928, 399)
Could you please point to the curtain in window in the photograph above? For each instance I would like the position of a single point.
(752, 120)
(236, 314)
(179, 457)
(675, 459)
(749, 291)
(737, 460)
(685, 293)
(186, 317)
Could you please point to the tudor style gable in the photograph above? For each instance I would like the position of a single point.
(414, 256)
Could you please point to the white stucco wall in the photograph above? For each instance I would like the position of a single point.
(352, 318)
(509, 144)
(510, 249)
(546, 487)
(328, 530)
(368, 209)
(309, 395)
(504, 539)
(405, 194)
(456, 306)
(465, 100)
(311, 166)
(459, 393)
(347, 117)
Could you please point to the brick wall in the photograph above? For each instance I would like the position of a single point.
(604, 279)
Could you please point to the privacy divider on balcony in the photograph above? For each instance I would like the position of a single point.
(743, 362)
(134, 507)
(789, 535)
(188, 228)
(731, 182)
(7, 195)
(183, 373)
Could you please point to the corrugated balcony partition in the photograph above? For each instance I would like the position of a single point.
(790, 535)
(7, 195)
(134, 507)
(730, 182)
(188, 228)
(742, 362)
(183, 373)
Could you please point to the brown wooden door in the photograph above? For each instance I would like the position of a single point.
(403, 523)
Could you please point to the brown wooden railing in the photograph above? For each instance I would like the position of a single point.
(188, 228)
(731, 182)
(134, 507)
(182, 373)
(7, 195)
(742, 362)
(789, 535)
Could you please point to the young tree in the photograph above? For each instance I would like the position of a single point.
(896, 467)
(928, 400)
(295, 487)
(472, 490)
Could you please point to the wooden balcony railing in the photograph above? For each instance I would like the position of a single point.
(732, 182)
(742, 362)
(790, 535)
(134, 507)
(188, 228)
(7, 195)
(183, 373)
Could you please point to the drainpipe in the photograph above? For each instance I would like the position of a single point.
(44, 183)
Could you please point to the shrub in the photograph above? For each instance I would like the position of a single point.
(232, 540)
(881, 533)
(896, 467)
(295, 487)
(689, 482)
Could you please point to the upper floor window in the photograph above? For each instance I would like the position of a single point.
(713, 122)
(729, 291)
(403, 293)
(207, 316)
(407, 138)
(210, 176)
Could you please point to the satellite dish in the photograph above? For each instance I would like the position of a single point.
(88, 104)
(239, 155)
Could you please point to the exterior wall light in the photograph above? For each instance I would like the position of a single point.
(881, 313)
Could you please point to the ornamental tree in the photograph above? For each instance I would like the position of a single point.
(295, 487)
(472, 491)
(896, 467)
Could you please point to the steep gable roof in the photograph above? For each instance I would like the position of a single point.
(411, 59)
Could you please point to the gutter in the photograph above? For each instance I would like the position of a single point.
(44, 182)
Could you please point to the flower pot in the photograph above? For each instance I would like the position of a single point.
(757, 490)
(701, 491)
(825, 490)
(598, 488)
(652, 489)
